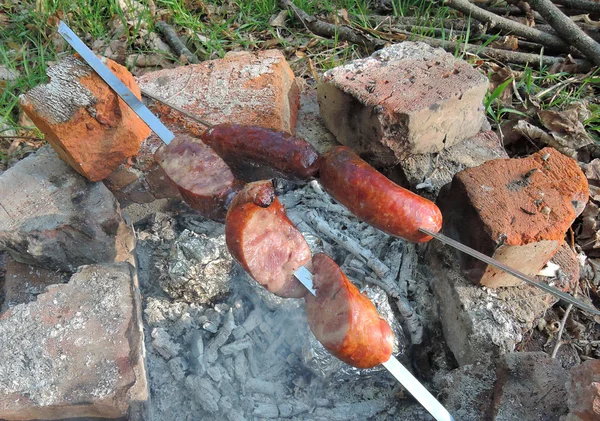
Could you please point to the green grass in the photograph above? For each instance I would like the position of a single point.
(28, 42)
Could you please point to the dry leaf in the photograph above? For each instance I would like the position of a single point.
(8, 74)
(342, 15)
(506, 43)
(278, 20)
(498, 78)
(592, 172)
(566, 127)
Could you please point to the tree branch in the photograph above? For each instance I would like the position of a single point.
(318, 27)
(567, 29)
(507, 25)
(175, 43)
(588, 6)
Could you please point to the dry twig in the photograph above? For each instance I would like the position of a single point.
(588, 6)
(325, 29)
(560, 331)
(175, 43)
(507, 25)
(568, 29)
(505, 56)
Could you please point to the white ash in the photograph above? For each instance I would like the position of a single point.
(198, 268)
(241, 357)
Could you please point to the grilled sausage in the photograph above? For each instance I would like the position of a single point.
(202, 177)
(375, 199)
(257, 153)
(345, 321)
(264, 241)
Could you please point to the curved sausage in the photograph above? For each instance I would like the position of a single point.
(203, 179)
(375, 199)
(264, 241)
(257, 153)
(345, 321)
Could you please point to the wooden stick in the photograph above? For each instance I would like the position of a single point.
(509, 26)
(568, 29)
(175, 43)
(326, 29)
(588, 6)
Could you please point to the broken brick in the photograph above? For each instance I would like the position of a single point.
(52, 217)
(84, 120)
(23, 282)
(431, 171)
(529, 386)
(514, 210)
(76, 351)
(405, 99)
(256, 89)
(583, 391)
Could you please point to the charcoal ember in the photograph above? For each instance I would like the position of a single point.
(198, 268)
(203, 392)
(322, 363)
(178, 367)
(163, 344)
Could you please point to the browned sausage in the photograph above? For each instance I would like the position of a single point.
(264, 241)
(345, 321)
(375, 199)
(257, 153)
(203, 179)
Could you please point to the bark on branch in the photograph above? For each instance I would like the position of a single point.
(568, 29)
(588, 6)
(175, 43)
(509, 26)
(326, 29)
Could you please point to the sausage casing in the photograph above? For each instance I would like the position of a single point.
(257, 153)
(264, 241)
(345, 321)
(375, 199)
(202, 177)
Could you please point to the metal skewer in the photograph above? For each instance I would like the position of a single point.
(414, 387)
(397, 370)
(514, 272)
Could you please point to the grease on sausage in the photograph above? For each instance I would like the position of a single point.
(257, 153)
(202, 177)
(345, 321)
(264, 241)
(375, 199)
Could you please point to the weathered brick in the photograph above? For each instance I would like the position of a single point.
(75, 351)
(244, 88)
(405, 99)
(84, 120)
(429, 172)
(583, 391)
(479, 325)
(515, 210)
(310, 124)
(529, 386)
(52, 217)
(23, 282)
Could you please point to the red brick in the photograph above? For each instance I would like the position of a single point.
(244, 88)
(583, 389)
(405, 99)
(516, 210)
(89, 126)
(24, 282)
(75, 351)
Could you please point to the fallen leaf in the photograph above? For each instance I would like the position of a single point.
(278, 20)
(566, 127)
(8, 74)
(592, 172)
(498, 78)
(506, 43)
